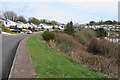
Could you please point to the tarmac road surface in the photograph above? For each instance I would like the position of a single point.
(9, 47)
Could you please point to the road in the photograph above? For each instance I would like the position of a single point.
(9, 47)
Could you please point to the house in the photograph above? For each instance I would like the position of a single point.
(23, 25)
(11, 23)
(39, 27)
(106, 27)
(7, 22)
(45, 26)
(20, 25)
(33, 25)
(56, 26)
(3, 21)
(61, 26)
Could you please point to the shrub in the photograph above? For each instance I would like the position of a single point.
(13, 27)
(103, 48)
(84, 35)
(20, 29)
(101, 32)
(94, 46)
(5, 29)
(69, 45)
(69, 28)
(23, 31)
(47, 36)
(109, 49)
(66, 42)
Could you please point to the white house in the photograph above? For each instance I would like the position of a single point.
(7, 22)
(3, 21)
(23, 25)
(61, 27)
(20, 25)
(11, 23)
(39, 27)
(33, 25)
(56, 26)
(45, 26)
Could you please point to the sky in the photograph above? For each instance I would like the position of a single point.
(63, 11)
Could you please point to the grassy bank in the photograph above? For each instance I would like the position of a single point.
(50, 63)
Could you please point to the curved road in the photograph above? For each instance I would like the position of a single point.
(9, 47)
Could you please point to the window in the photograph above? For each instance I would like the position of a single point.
(1, 22)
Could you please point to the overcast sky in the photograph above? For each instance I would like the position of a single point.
(80, 11)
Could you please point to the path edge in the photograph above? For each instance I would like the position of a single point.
(16, 55)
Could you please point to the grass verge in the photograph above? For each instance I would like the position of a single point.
(50, 63)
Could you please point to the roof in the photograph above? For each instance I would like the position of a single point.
(3, 19)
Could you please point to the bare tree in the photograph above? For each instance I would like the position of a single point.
(1, 14)
(10, 15)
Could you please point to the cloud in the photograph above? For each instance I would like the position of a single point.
(59, 0)
(93, 6)
(81, 12)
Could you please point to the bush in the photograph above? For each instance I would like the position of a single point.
(23, 31)
(5, 29)
(84, 35)
(69, 45)
(13, 27)
(66, 43)
(103, 48)
(101, 32)
(109, 49)
(94, 46)
(47, 36)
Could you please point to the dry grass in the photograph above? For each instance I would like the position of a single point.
(68, 38)
(109, 49)
(69, 45)
(83, 35)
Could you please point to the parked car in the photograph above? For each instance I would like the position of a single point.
(16, 30)
(29, 32)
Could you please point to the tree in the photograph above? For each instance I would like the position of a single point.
(69, 29)
(109, 22)
(92, 22)
(54, 22)
(118, 23)
(114, 22)
(34, 21)
(101, 22)
(29, 28)
(101, 32)
(33, 29)
(10, 15)
(22, 19)
(43, 21)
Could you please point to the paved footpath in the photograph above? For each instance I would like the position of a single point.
(22, 64)
(9, 47)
